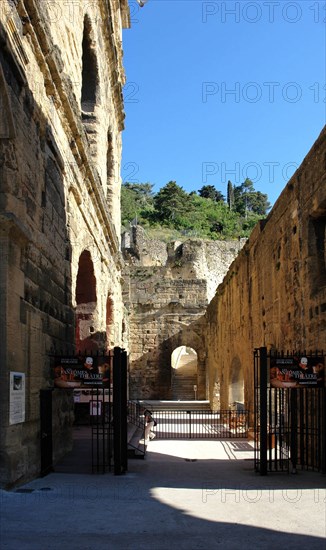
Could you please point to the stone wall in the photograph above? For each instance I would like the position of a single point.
(168, 287)
(274, 293)
(61, 120)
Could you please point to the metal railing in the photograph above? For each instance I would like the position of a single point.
(200, 424)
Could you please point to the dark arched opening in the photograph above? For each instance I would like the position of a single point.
(89, 71)
(86, 303)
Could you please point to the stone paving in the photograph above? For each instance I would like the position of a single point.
(185, 495)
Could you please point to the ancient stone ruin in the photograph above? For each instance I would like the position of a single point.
(166, 292)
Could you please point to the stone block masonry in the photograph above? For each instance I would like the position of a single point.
(274, 293)
(167, 290)
(61, 119)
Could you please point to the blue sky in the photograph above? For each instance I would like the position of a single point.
(222, 90)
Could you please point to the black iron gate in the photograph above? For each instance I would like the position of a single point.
(103, 410)
(109, 423)
(290, 419)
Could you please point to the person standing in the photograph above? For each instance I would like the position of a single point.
(149, 425)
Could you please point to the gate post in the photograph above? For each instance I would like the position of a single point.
(263, 410)
(120, 411)
(323, 430)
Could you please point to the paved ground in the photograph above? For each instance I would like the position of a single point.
(186, 495)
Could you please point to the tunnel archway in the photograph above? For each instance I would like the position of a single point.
(184, 367)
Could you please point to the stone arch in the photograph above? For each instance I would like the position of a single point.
(184, 365)
(236, 383)
(86, 304)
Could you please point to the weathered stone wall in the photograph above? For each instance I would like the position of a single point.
(190, 259)
(274, 293)
(60, 148)
(167, 291)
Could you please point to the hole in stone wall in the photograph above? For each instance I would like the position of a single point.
(86, 300)
(86, 281)
(89, 70)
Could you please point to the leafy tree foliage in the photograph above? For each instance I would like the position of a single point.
(136, 199)
(171, 204)
(203, 215)
(230, 195)
(246, 200)
(210, 192)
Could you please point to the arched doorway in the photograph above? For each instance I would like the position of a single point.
(184, 364)
(236, 384)
(86, 303)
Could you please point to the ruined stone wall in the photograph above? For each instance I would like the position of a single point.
(60, 147)
(274, 293)
(168, 287)
(190, 259)
(164, 314)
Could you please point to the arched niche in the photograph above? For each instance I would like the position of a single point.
(86, 304)
(90, 88)
(90, 79)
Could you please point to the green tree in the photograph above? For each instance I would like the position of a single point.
(174, 211)
(136, 201)
(210, 192)
(230, 195)
(246, 200)
(171, 204)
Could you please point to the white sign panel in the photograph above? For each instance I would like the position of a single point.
(17, 398)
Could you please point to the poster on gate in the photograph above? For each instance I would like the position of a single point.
(297, 372)
(81, 372)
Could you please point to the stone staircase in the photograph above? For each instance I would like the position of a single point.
(183, 387)
(184, 378)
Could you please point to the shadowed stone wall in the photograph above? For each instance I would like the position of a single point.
(61, 118)
(274, 293)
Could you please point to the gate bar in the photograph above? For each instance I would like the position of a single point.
(263, 411)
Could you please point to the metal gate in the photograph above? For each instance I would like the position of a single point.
(106, 416)
(289, 420)
(109, 421)
(200, 424)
